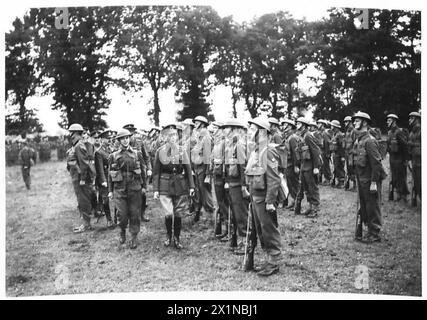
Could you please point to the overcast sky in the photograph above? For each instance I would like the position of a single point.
(133, 109)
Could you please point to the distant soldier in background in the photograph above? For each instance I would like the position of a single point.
(200, 157)
(27, 158)
(324, 140)
(126, 185)
(137, 143)
(338, 154)
(275, 130)
(45, 149)
(102, 154)
(397, 148)
(415, 154)
(61, 150)
(348, 141)
(369, 175)
(80, 164)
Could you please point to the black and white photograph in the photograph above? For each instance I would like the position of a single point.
(190, 149)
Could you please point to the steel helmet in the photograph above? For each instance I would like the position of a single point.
(75, 127)
(362, 115)
(201, 119)
(303, 120)
(129, 127)
(336, 123)
(347, 118)
(105, 134)
(392, 115)
(260, 122)
(233, 123)
(189, 122)
(273, 121)
(218, 124)
(175, 125)
(123, 133)
(322, 121)
(289, 121)
(415, 114)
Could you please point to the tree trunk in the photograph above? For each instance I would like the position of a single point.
(156, 105)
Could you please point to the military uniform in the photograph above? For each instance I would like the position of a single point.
(338, 158)
(172, 179)
(397, 147)
(27, 158)
(348, 141)
(325, 169)
(101, 164)
(308, 156)
(292, 178)
(415, 156)
(126, 180)
(368, 167)
(200, 158)
(80, 164)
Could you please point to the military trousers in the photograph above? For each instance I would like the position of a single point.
(399, 177)
(339, 172)
(221, 199)
(266, 228)
(26, 176)
(310, 187)
(104, 201)
(416, 176)
(174, 205)
(204, 194)
(370, 206)
(325, 170)
(85, 194)
(239, 208)
(128, 204)
(292, 180)
(349, 167)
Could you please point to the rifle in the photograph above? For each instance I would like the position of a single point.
(359, 227)
(247, 236)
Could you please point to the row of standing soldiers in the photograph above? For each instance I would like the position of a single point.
(250, 170)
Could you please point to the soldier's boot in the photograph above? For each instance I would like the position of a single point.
(309, 210)
(233, 241)
(249, 263)
(359, 232)
(218, 228)
(391, 195)
(347, 185)
(133, 241)
(122, 238)
(285, 203)
(414, 201)
(168, 223)
(332, 183)
(197, 215)
(314, 211)
(340, 184)
(291, 205)
(297, 209)
(177, 232)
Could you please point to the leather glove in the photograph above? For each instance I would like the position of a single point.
(104, 184)
(316, 171)
(245, 192)
(373, 187)
(156, 195)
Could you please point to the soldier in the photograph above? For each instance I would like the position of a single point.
(348, 141)
(235, 183)
(324, 141)
(309, 156)
(82, 171)
(369, 176)
(397, 148)
(172, 181)
(338, 154)
(27, 158)
(126, 185)
(137, 143)
(275, 130)
(101, 165)
(200, 158)
(262, 173)
(414, 145)
(292, 171)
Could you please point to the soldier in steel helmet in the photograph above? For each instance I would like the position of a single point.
(349, 137)
(397, 148)
(27, 157)
(324, 139)
(126, 185)
(80, 164)
(369, 176)
(414, 145)
(172, 181)
(338, 154)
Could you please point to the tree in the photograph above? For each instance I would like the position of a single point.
(21, 77)
(73, 63)
(144, 50)
(200, 32)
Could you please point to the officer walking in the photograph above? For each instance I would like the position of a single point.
(127, 184)
(80, 164)
(263, 178)
(200, 158)
(292, 171)
(27, 157)
(369, 176)
(102, 154)
(415, 153)
(397, 148)
(338, 154)
(172, 181)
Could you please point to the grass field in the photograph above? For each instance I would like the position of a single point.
(44, 257)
